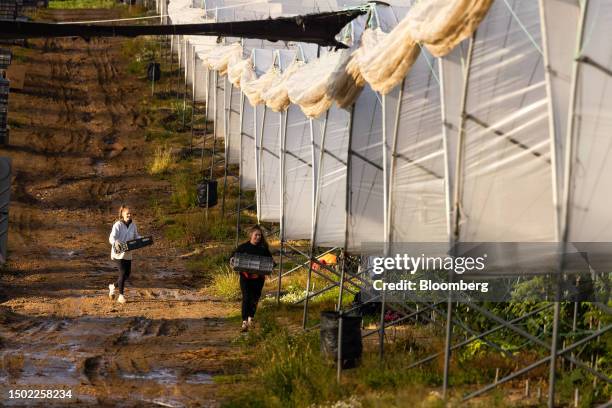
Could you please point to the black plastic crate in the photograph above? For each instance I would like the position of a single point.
(5, 58)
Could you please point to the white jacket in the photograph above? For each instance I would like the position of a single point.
(122, 233)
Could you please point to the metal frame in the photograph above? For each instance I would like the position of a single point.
(566, 351)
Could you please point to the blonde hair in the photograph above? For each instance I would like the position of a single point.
(121, 209)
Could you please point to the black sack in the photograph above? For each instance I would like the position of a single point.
(154, 71)
(207, 193)
(352, 346)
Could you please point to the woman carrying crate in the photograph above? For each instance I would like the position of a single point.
(251, 284)
(123, 230)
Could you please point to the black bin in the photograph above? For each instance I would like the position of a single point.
(207, 193)
(352, 347)
(154, 71)
(4, 137)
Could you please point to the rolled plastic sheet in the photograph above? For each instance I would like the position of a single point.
(505, 172)
(589, 217)
(442, 24)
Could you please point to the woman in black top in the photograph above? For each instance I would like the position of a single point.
(251, 284)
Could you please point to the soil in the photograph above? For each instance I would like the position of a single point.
(77, 148)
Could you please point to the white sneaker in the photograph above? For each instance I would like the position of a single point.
(244, 327)
(111, 291)
(121, 299)
(250, 323)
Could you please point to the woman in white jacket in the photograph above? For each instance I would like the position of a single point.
(123, 230)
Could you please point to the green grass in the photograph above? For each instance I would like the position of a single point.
(162, 160)
(226, 283)
(184, 195)
(82, 4)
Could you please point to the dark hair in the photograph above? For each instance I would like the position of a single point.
(255, 228)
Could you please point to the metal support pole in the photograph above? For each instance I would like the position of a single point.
(185, 88)
(280, 272)
(305, 315)
(212, 156)
(238, 214)
(340, 292)
(381, 329)
(339, 367)
(228, 112)
(178, 61)
(315, 218)
(553, 348)
(447, 344)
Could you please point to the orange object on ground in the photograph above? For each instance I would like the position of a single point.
(327, 259)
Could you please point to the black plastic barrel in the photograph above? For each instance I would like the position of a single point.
(154, 71)
(207, 193)
(352, 347)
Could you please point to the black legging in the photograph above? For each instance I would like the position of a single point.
(251, 292)
(125, 267)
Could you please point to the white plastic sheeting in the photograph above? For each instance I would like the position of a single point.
(269, 191)
(297, 169)
(330, 211)
(452, 75)
(251, 120)
(559, 28)
(219, 105)
(366, 188)
(365, 173)
(418, 206)
(350, 209)
(232, 117)
(505, 176)
(589, 217)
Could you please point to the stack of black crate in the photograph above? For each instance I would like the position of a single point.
(9, 9)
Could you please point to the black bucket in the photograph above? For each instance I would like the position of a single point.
(154, 71)
(207, 193)
(352, 347)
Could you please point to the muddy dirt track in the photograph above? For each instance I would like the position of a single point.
(77, 150)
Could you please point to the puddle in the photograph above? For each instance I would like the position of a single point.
(99, 167)
(41, 368)
(176, 294)
(199, 378)
(167, 376)
(166, 402)
(57, 253)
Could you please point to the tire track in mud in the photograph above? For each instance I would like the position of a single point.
(58, 329)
